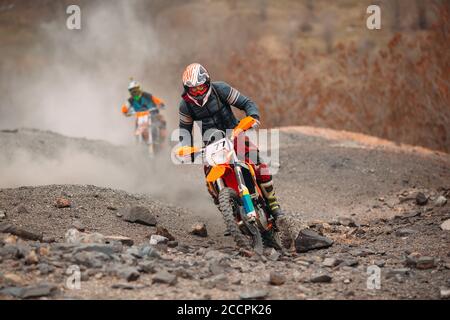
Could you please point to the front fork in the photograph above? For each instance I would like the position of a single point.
(245, 195)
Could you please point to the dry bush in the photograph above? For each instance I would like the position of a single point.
(400, 92)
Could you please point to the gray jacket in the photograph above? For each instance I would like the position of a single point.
(216, 113)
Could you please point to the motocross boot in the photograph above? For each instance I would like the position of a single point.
(271, 200)
(284, 225)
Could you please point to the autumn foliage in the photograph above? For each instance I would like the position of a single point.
(399, 92)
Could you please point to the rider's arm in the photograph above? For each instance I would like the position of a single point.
(236, 99)
(158, 102)
(127, 109)
(186, 125)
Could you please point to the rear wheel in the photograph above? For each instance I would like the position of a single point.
(230, 207)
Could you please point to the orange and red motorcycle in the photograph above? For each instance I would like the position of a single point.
(232, 182)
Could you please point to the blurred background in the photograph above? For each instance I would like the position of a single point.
(305, 62)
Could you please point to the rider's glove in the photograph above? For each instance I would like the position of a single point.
(257, 122)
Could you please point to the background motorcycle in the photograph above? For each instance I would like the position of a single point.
(148, 131)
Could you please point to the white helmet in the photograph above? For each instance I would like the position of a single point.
(197, 83)
(133, 85)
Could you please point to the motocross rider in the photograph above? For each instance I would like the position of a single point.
(209, 102)
(142, 101)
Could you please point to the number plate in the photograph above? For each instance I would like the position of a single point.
(143, 120)
(217, 152)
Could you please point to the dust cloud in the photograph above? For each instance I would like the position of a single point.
(77, 91)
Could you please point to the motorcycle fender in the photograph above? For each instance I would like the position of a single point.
(215, 173)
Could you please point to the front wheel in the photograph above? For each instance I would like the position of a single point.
(230, 206)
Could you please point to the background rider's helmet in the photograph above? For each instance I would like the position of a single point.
(197, 83)
(134, 88)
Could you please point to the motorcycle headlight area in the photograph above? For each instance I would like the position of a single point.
(218, 153)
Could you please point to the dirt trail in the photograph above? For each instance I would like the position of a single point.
(324, 175)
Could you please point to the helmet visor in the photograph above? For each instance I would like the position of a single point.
(198, 90)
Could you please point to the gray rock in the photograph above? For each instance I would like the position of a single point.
(446, 225)
(445, 293)
(172, 244)
(347, 222)
(254, 294)
(199, 229)
(310, 240)
(96, 247)
(90, 259)
(126, 286)
(183, 273)
(161, 231)
(215, 255)
(380, 263)
(140, 215)
(349, 263)
(421, 199)
(361, 252)
(424, 263)
(135, 252)
(149, 252)
(45, 269)
(274, 255)
(22, 233)
(147, 267)
(184, 248)
(40, 290)
(73, 236)
(127, 273)
(78, 225)
(398, 272)
(320, 278)
(157, 239)
(411, 214)
(217, 267)
(2, 214)
(21, 209)
(128, 259)
(331, 262)
(123, 286)
(123, 240)
(218, 281)
(404, 232)
(63, 247)
(10, 251)
(48, 239)
(164, 277)
(276, 279)
(440, 201)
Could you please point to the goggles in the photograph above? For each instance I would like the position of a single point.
(198, 90)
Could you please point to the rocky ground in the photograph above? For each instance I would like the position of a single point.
(355, 204)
